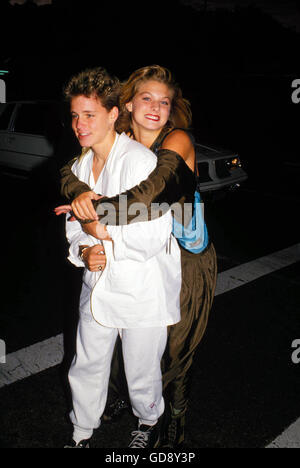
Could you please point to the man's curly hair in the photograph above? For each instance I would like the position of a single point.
(94, 82)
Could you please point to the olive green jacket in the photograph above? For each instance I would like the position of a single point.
(170, 184)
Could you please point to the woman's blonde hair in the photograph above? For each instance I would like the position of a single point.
(180, 115)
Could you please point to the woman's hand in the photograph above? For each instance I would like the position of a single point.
(97, 230)
(83, 207)
(94, 258)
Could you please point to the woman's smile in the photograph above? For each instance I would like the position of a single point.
(153, 117)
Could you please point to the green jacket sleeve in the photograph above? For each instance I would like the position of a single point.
(70, 185)
(170, 185)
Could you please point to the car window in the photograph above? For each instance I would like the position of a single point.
(38, 119)
(203, 170)
(6, 111)
(221, 168)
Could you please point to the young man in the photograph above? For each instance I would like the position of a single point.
(133, 290)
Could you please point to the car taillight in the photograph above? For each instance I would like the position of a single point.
(233, 163)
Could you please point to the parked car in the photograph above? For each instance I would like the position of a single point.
(219, 169)
(32, 137)
(28, 131)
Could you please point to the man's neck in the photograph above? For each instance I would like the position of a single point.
(101, 153)
(102, 150)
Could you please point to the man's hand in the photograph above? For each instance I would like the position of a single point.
(97, 230)
(83, 207)
(94, 258)
(64, 209)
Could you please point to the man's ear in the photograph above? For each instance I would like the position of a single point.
(114, 114)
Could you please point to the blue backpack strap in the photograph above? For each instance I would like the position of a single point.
(194, 237)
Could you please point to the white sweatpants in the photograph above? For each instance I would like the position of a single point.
(90, 370)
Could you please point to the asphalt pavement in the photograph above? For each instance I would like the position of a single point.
(245, 386)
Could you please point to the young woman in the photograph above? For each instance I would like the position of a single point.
(154, 113)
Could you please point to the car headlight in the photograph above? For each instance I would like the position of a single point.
(233, 163)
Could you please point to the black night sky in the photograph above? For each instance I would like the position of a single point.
(236, 65)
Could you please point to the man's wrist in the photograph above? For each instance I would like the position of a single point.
(108, 238)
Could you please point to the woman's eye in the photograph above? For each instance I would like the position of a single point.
(165, 103)
(146, 98)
